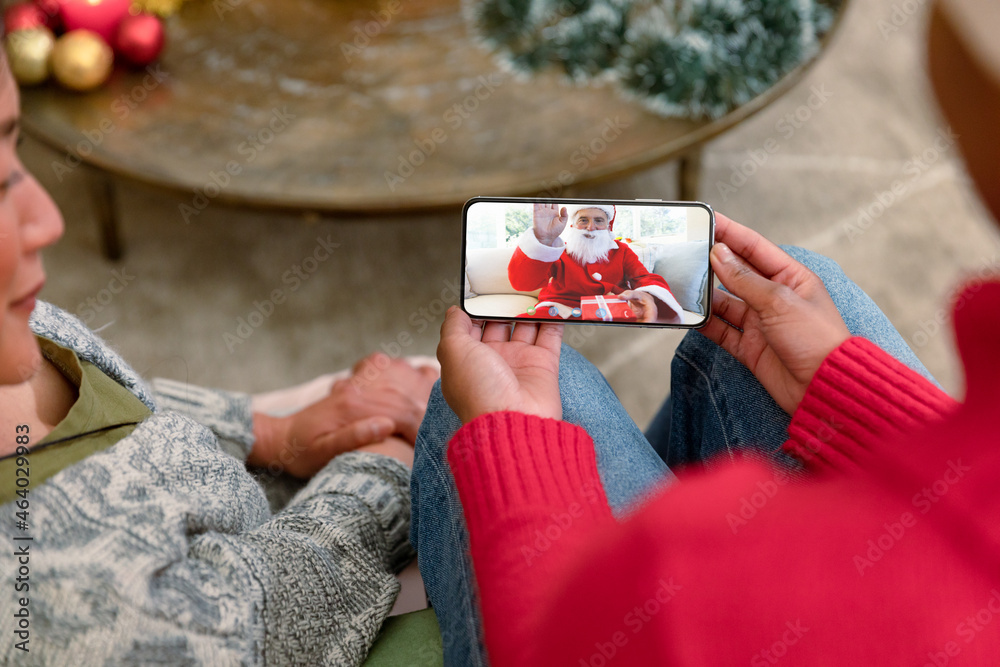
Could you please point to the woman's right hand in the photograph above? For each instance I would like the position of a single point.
(549, 221)
(778, 319)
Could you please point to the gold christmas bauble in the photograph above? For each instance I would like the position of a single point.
(161, 8)
(81, 60)
(28, 54)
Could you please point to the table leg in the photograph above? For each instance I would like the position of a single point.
(103, 192)
(689, 174)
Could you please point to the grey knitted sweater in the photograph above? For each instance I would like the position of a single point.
(162, 549)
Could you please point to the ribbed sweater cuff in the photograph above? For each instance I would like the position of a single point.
(512, 464)
(860, 398)
(382, 484)
(531, 496)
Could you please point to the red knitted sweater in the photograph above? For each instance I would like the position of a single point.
(888, 555)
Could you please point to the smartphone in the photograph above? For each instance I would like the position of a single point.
(640, 262)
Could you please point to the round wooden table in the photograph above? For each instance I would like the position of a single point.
(350, 106)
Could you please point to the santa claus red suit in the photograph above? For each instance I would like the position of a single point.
(564, 280)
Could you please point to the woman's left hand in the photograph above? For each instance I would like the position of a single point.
(499, 366)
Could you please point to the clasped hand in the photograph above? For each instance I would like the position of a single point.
(382, 398)
(777, 319)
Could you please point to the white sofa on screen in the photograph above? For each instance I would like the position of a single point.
(684, 265)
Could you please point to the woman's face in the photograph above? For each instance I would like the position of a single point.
(29, 221)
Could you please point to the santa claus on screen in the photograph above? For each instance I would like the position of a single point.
(588, 263)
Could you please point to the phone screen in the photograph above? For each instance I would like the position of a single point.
(639, 263)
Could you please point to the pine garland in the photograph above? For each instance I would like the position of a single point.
(686, 58)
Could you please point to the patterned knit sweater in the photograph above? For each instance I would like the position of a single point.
(163, 550)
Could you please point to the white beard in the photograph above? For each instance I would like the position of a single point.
(589, 251)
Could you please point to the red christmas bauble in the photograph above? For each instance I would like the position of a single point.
(50, 8)
(99, 16)
(22, 16)
(139, 39)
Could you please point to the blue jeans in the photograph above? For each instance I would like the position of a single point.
(716, 408)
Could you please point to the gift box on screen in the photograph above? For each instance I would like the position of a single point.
(606, 309)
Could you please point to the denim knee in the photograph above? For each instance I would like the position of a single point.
(437, 427)
(695, 345)
(428, 451)
(571, 359)
(824, 267)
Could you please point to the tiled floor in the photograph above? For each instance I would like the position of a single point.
(867, 125)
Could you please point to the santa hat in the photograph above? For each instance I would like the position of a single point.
(609, 210)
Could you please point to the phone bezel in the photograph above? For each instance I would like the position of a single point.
(709, 283)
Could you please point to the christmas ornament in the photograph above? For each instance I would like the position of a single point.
(28, 54)
(139, 39)
(687, 58)
(50, 8)
(159, 7)
(99, 16)
(81, 60)
(22, 16)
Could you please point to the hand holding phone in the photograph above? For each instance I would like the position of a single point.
(495, 367)
(778, 319)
